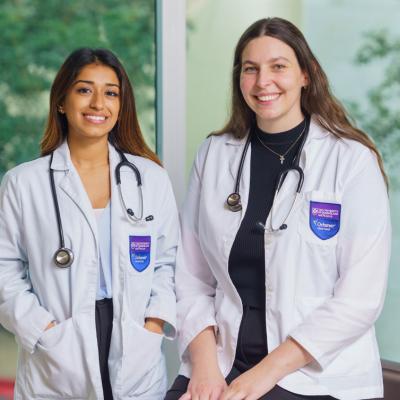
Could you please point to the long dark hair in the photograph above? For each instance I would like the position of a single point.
(316, 99)
(126, 135)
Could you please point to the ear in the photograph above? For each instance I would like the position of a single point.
(305, 80)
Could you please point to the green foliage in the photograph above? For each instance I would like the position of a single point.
(381, 116)
(36, 37)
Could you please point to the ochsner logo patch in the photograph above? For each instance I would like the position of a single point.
(139, 252)
(324, 219)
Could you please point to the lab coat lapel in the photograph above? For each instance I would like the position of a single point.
(118, 212)
(72, 186)
(285, 197)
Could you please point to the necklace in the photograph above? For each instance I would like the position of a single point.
(281, 156)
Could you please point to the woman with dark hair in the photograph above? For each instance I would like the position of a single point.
(285, 239)
(88, 236)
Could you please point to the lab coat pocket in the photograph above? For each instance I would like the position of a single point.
(319, 218)
(143, 366)
(57, 368)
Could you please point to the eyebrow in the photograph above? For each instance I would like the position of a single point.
(92, 83)
(271, 60)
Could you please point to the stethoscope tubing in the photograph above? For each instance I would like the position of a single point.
(56, 205)
(64, 257)
(233, 201)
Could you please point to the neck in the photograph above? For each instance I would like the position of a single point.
(88, 153)
(276, 126)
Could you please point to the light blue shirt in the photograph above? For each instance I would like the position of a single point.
(103, 218)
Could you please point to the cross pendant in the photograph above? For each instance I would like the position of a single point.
(282, 159)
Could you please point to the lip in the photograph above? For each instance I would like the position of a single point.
(95, 118)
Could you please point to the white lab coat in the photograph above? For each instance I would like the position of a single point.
(326, 294)
(62, 362)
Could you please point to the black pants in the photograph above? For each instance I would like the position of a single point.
(104, 318)
(251, 349)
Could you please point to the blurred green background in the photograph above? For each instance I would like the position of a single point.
(37, 36)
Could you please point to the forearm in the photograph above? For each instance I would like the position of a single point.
(285, 359)
(259, 380)
(203, 349)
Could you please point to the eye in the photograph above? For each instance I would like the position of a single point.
(83, 90)
(249, 69)
(279, 67)
(112, 93)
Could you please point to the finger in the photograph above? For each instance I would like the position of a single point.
(216, 393)
(205, 394)
(238, 396)
(232, 394)
(252, 397)
(186, 396)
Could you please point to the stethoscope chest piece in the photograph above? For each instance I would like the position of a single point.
(233, 202)
(63, 257)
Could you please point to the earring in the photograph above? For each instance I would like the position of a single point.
(60, 110)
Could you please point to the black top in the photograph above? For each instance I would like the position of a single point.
(246, 261)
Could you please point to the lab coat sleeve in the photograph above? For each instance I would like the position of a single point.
(195, 282)
(162, 303)
(20, 311)
(363, 253)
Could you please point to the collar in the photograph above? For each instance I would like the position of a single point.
(62, 157)
(315, 132)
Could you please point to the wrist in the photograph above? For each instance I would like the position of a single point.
(51, 325)
(155, 325)
(205, 362)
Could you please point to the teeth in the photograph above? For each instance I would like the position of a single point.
(95, 117)
(268, 97)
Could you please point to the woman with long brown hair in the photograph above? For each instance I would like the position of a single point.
(88, 236)
(285, 239)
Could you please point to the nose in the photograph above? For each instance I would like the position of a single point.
(97, 100)
(264, 77)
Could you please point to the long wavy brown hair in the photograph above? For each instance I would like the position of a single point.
(316, 99)
(126, 135)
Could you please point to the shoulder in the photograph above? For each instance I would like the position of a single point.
(149, 170)
(145, 164)
(28, 170)
(25, 177)
(217, 145)
(348, 157)
(343, 148)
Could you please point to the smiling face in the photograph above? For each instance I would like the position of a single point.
(92, 103)
(271, 82)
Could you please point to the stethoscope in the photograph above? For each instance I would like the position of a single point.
(234, 202)
(64, 257)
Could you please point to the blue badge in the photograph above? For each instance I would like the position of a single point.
(139, 252)
(324, 219)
